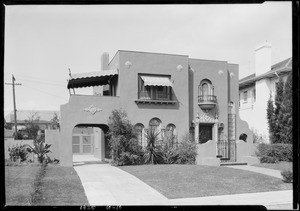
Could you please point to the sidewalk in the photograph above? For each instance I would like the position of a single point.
(108, 185)
(269, 172)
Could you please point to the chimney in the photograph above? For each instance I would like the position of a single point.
(104, 61)
(263, 58)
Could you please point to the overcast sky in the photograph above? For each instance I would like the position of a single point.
(42, 42)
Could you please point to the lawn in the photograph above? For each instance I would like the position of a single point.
(60, 186)
(183, 181)
(277, 166)
(19, 184)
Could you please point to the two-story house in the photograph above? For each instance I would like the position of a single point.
(256, 89)
(170, 93)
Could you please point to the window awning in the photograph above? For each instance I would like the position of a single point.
(91, 78)
(156, 81)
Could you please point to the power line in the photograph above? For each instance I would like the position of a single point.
(38, 79)
(35, 89)
(34, 81)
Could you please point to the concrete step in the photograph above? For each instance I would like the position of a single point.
(232, 163)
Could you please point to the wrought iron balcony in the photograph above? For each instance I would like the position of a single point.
(207, 102)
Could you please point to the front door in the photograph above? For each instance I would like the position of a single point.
(205, 133)
(82, 144)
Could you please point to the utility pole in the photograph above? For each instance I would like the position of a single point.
(14, 99)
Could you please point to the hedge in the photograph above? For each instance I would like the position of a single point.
(272, 153)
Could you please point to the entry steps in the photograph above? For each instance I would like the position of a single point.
(232, 163)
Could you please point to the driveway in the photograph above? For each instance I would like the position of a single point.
(108, 185)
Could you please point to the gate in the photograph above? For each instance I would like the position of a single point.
(227, 150)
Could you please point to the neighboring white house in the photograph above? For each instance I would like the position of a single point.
(255, 89)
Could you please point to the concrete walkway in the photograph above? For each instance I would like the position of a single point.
(269, 172)
(108, 185)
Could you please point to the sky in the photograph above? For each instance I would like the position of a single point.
(43, 41)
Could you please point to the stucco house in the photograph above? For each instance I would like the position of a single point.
(255, 89)
(171, 93)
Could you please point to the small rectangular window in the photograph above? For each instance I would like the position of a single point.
(245, 96)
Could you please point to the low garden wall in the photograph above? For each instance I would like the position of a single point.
(207, 154)
(245, 152)
(52, 137)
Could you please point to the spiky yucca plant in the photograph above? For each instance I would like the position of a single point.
(152, 152)
(40, 149)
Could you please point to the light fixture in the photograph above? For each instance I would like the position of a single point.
(231, 74)
(128, 64)
(220, 72)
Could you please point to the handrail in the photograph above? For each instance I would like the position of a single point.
(144, 95)
(207, 98)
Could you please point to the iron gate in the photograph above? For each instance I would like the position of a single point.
(227, 150)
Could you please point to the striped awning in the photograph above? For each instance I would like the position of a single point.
(156, 81)
(91, 78)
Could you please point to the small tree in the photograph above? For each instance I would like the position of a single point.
(123, 139)
(285, 116)
(32, 126)
(55, 122)
(278, 103)
(271, 118)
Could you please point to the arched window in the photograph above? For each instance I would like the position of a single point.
(206, 88)
(139, 127)
(243, 137)
(171, 132)
(155, 124)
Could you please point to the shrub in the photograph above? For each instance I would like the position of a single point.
(287, 175)
(268, 159)
(169, 149)
(123, 140)
(40, 149)
(187, 150)
(278, 152)
(18, 152)
(153, 152)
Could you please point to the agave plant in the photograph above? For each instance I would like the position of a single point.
(152, 152)
(40, 149)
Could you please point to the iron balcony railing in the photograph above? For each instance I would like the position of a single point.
(164, 96)
(207, 98)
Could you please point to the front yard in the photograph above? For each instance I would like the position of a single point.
(183, 181)
(59, 186)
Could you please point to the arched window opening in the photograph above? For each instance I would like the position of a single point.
(206, 91)
(171, 133)
(156, 126)
(139, 127)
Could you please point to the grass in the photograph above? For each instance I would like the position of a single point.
(58, 186)
(183, 181)
(277, 166)
(19, 182)
(62, 186)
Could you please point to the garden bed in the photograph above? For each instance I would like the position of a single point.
(184, 181)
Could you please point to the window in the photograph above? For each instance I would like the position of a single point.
(254, 95)
(245, 96)
(155, 124)
(154, 88)
(170, 132)
(139, 128)
(206, 91)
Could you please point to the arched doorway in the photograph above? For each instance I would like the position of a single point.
(89, 143)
